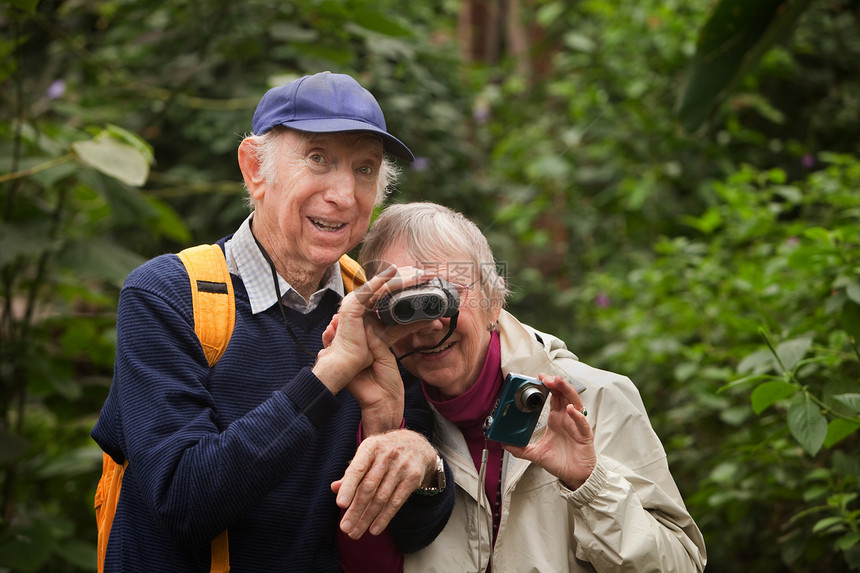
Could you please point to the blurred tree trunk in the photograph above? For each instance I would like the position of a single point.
(489, 30)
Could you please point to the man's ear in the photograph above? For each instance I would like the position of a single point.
(250, 167)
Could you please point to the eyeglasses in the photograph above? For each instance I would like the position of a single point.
(463, 290)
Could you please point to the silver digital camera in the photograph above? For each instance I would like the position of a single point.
(434, 299)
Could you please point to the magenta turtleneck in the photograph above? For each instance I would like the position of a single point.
(468, 412)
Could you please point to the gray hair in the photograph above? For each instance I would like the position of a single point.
(429, 231)
(267, 147)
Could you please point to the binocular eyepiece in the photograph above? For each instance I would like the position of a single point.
(434, 299)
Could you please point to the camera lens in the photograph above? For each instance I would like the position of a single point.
(530, 398)
(403, 311)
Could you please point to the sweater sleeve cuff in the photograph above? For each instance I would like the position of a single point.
(312, 397)
(589, 490)
(360, 436)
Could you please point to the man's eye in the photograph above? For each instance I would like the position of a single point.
(365, 170)
(317, 158)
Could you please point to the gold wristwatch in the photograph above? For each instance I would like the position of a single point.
(438, 484)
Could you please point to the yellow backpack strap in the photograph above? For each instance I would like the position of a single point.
(214, 318)
(220, 554)
(106, 500)
(212, 297)
(352, 273)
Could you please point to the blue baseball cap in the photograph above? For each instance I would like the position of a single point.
(325, 103)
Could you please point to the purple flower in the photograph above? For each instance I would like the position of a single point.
(56, 89)
(808, 161)
(420, 164)
(602, 300)
(481, 113)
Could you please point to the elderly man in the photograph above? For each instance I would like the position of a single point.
(259, 445)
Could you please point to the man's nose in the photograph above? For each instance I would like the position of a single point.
(341, 186)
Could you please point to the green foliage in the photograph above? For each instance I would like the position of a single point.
(745, 335)
(732, 41)
(61, 268)
(718, 270)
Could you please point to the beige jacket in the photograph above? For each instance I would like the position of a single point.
(628, 515)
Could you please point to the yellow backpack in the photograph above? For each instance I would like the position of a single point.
(214, 318)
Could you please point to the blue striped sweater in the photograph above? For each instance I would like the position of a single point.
(250, 445)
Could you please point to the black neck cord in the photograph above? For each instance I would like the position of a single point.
(451, 327)
(280, 304)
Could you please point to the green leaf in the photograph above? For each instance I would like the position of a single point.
(131, 139)
(759, 361)
(579, 42)
(827, 523)
(28, 239)
(807, 425)
(742, 381)
(726, 472)
(849, 318)
(83, 460)
(790, 352)
(25, 5)
(837, 430)
(732, 41)
(168, 222)
(852, 289)
(101, 259)
(114, 157)
(819, 234)
(770, 392)
(851, 400)
(377, 22)
(847, 541)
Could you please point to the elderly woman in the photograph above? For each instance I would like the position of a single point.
(592, 489)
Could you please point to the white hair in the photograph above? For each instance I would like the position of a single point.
(268, 147)
(431, 232)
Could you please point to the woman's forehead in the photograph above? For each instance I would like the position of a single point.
(454, 269)
(453, 266)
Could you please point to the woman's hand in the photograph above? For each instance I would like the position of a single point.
(378, 389)
(566, 450)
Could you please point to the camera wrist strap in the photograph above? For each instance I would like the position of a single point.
(451, 327)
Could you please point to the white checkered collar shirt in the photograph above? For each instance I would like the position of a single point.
(245, 259)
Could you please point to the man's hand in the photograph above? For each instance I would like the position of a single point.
(347, 352)
(385, 471)
(566, 450)
(378, 389)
